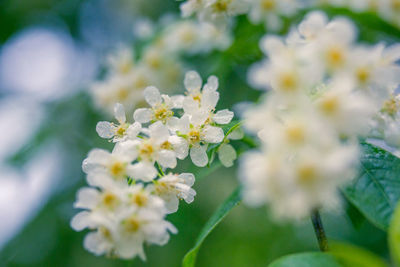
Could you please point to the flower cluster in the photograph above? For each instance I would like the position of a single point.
(130, 190)
(159, 63)
(325, 91)
(388, 10)
(271, 12)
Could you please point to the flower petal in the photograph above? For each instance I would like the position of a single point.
(180, 145)
(86, 198)
(192, 81)
(166, 158)
(212, 84)
(213, 134)
(223, 116)
(105, 129)
(81, 221)
(133, 130)
(143, 171)
(119, 113)
(152, 96)
(199, 156)
(159, 132)
(227, 155)
(188, 178)
(143, 115)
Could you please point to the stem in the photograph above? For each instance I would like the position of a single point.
(319, 231)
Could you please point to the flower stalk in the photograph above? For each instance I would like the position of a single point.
(319, 231)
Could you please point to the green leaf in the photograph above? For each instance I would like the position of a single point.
(308, 259)
(376, 189)
(353, 256)
(190, 257)
(394, 236)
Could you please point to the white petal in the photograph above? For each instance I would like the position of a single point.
(95, 243)
(199, 117)
(152, 96)
(127, 150)
(199, 156)
(223, 116)
(81, 221)
(237, 134)
(143, 115)
(227, 155)
(189, 105)
(184, 124)
(133, 130)
(209, 99)
(143, 171)
(105, 129)
(159, 132)
(192, 81)
(172, 204)
(212, 83)
(177, 101)
(213, 134)
(188, 177)
(180, 145)
(173, 124)
(86, 198)
(95, 160)
(167, 159)
(119, 113)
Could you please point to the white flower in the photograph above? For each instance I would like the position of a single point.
(158, 147)
(161, 107)
(121, 61)
(195, 37)
(296, 185)
(121, 131)
(117, 164)
(269, 11)
(198, 135)
(172, 187)
(136, 227)
(348, 111)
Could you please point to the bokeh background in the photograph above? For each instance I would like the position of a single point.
(50, 51)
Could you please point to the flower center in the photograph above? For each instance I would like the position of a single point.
(194, 136)
(363, 74)
(105, 232)
(329, 105)
(335, 57)
(109, 200)
(140, 199)
(395, 5)
(288, 82)
(122, 93)
(268, 4)
(146, 150)
(166, 145)
(117, 169)
(162, 113)
(295, 134)
(221, 6)
(132, 224)
(307, 173)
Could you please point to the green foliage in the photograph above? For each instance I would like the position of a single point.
(308, 259)
(376, 189)
(394, 235)
(353, 256)
(190, 258)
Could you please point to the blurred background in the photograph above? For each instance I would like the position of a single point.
(50, 52)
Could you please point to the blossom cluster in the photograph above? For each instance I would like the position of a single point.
(271, 12)
(325, 92)
(159, 63)
(133, 188)
(388, 10)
